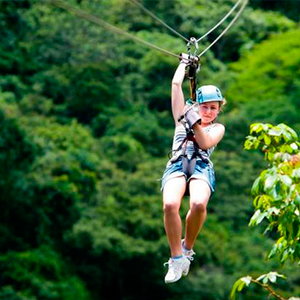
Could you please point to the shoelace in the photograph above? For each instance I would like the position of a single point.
(189, 254)
(169, 262)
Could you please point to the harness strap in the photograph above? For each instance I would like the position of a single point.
(189, 137)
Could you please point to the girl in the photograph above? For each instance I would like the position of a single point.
(190, 169)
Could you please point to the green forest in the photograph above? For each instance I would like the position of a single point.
(85, 130)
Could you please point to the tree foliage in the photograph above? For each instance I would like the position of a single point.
(38, 274)
(276, 198)
(85, 128)
(277, 189)
(267, 80)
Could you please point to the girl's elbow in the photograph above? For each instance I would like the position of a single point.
(176, 84)
(202, 145)
(205, 147)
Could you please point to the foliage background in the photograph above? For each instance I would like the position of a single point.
(85, 128)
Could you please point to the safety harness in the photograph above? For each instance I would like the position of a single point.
(188, 164)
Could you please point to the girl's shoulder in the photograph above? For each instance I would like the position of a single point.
(218, 125)
(216, 128)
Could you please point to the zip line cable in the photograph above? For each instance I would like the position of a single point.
(221, 21)
(93, 19)
(84, 15)
(135, 2)
(157, 19)
(226, 29)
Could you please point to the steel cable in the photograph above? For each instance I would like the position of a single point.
(226, 29)
(157, 19)
(84, 15)
(135, 2)
(221, 21)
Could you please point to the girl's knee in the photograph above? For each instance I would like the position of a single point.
(171, 207)
(199, 206)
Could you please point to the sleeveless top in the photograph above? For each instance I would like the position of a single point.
(188, 146)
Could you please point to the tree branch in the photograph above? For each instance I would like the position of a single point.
(269, 289)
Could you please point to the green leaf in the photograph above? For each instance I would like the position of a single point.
(267, 140)
(272, 277)
(247, 280)
(256, 201)
(274, 210)
(257, 217)
(294, 146)
(255, 187)
(234, 289)
(261, 217)
(239, 285)
(247, 144)
(266, 126)
(284, 255)
(251, 143)
(292, 132)
(286, 180)
(274, 132)
(270, 156)
(273, 251)
(296, 173)
(297, 199)
(287, 136)
(256, 127)
(261, 277)
(270, 182)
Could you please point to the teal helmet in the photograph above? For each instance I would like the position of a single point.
(208, 93)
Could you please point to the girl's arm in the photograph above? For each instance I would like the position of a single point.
(177, 97)
(206, 140)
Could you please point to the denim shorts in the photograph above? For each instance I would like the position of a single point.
(202, 171)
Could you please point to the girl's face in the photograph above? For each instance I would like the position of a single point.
(209, 111)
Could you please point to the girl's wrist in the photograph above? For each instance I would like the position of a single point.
(183, 63)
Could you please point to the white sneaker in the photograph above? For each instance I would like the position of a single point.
(187, 253)
(177, 268)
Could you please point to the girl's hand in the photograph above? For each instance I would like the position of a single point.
(184, 58)
(191, 116)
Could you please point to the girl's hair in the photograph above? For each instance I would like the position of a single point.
(222, 104)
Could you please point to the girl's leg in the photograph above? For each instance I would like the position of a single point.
(172, 194)
(199, 197)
